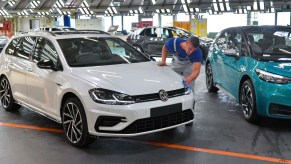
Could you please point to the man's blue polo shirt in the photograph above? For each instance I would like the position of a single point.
(196, 56)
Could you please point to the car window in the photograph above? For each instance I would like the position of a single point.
(25, 47)
(139, 32)
(151, 32)
(168, 33)
(82, 52)
(220, 42)
(11, 47)
(44, 50)
(234, 40)
(272, 41)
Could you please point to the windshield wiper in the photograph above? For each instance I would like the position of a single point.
(285, 51)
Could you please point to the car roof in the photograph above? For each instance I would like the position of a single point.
(259, 27)
(62, 34)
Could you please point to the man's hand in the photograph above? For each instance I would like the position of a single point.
(188, 79)
(162, 64)
(195, 72)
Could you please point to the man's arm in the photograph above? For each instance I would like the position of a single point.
(164, 56)
(195, 72)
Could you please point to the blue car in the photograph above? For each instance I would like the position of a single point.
(253, 64)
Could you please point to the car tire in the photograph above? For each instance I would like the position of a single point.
(7, 100)
(138, 48)
(189, 124)
(209, 79)
(75, 123)
(248, 102)
(204, 52)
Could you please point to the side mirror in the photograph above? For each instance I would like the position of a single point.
(152, 58)
(149, 56)
(46, 64)
(232, 53)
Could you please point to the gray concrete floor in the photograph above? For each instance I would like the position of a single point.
(219, 128)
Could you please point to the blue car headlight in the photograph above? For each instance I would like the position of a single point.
(109, 97)
(272, 78)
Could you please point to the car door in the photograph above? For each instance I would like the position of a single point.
(18, 55)
(218, 57)
(233, 64)
(41, 83)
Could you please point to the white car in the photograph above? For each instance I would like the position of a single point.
(94, 84)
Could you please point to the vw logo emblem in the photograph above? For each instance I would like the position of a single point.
(163, 95)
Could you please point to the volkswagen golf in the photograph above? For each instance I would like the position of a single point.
(93, 84)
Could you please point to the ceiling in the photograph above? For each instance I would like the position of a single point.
(10, 8)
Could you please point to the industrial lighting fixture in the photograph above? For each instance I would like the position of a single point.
(262, 7)
(221, 7)
(11, 3)
(227, 6)
(255, 6)
(34, 4)
(184, 6)
(215, 6)
(241, 10)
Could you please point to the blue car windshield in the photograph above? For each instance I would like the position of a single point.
(270, 42)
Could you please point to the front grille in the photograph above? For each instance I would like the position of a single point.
(276, 109)
(156, 96)
(154, 123)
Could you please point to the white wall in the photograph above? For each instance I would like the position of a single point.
(24, 26)
(283, 18)
(182, 17)
(128, 20)
(90, 24)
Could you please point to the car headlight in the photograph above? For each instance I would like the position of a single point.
(272, 78)
(105, 96)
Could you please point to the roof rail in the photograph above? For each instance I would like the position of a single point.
(38, 31)
(80, 32)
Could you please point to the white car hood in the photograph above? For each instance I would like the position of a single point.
(131, 79)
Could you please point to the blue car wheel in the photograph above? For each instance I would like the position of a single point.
(248, 102)
(209, 79)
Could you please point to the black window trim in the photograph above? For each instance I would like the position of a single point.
(59, 64)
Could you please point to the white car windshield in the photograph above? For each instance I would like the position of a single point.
(84, 52)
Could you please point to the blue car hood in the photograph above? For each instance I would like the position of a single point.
(279, 68)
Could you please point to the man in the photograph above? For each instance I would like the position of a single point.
(187, 58)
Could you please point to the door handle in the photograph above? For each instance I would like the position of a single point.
(29, 70)
(10, 64)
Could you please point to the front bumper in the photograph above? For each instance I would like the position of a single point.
(273, 100)
(138, 119)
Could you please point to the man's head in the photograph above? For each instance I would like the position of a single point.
(192, 44)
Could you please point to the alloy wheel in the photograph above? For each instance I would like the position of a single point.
(209, 76)
(73, 123)
(5, 93)
(247, 101)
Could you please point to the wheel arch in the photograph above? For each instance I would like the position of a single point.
(65, 97)
(244, 78)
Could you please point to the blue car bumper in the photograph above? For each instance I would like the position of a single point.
(273, 100)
